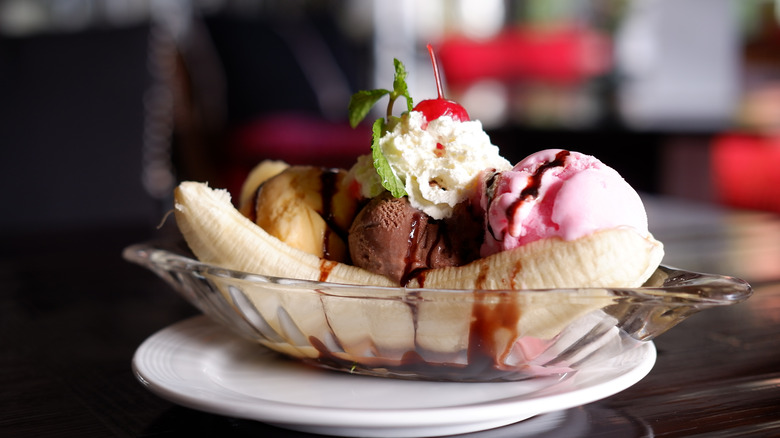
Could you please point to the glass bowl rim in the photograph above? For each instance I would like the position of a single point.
(688, 286)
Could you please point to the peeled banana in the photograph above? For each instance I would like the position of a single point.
(619, 257)
(219, 234)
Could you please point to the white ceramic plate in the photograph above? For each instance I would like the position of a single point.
(199, 364)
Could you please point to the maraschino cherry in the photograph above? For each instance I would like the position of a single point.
(432, 109)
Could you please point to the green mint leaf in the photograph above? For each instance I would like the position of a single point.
(361, 103)
(390, 180)
(399, 84)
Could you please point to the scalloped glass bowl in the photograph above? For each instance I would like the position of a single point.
(428, 334)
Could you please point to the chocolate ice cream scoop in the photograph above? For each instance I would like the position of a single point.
(392, 238)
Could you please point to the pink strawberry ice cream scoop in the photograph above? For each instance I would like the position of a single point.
(556, 193)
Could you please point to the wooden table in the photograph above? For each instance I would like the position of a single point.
(72, 313)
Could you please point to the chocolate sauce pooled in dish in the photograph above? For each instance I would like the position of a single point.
(480, 361)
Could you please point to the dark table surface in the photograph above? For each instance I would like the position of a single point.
(72, 313)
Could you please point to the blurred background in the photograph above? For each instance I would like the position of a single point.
(106, 104)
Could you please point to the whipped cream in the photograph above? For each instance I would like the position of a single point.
(439, 165)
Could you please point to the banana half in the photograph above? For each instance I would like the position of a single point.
(217, 233)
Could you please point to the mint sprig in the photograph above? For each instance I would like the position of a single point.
(360, 105)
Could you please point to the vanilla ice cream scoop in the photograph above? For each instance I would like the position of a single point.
(556, 193)
(307, 207)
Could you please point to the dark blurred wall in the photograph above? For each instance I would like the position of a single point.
(71, 123)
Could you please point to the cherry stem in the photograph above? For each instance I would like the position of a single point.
(436, 72)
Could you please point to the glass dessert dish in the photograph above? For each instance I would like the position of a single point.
(430, 334)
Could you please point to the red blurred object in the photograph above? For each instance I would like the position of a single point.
(746, 170)
(566, 55)
(296, 139)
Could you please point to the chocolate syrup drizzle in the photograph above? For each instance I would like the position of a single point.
(415, 268)
(530, 191)
(412, 248)
(253, 211)
(328, 191)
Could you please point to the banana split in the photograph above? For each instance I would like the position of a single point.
(432, 208)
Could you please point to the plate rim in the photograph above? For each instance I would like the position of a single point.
(328, 419)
